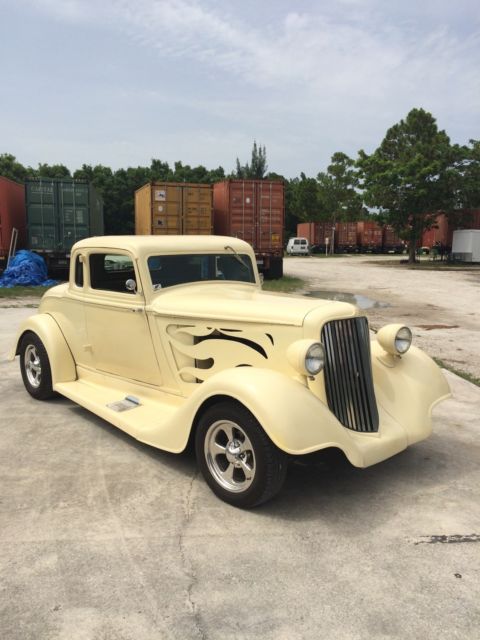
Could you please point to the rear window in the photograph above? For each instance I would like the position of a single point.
(168, 271)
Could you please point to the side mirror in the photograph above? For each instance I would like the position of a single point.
(262, 278)
(131, 285)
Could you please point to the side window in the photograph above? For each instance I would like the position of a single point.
(79, 272)
(110, 272)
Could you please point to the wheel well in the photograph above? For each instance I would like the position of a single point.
(206, 404)
(19, 341)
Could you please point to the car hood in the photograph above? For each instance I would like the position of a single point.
(244, 303)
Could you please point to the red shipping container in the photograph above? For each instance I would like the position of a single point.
(391, 239)
(346, 235)
(253, 210)
(468, 219)
(315, 232)
(370, 235)
(440, 234)
(12, 215)
(475, 219)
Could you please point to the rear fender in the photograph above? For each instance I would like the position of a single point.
(59, 355)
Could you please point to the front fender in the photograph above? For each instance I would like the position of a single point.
(295, 420)
(408, 388)
(61, 360)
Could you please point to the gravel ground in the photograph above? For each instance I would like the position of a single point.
(441, 307)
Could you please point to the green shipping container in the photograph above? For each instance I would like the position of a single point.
(60, 212)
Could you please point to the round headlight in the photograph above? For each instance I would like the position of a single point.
(315, 359)
(403, 340)
(395, 339)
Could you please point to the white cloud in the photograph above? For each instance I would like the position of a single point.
(360, 54)
(331, 75)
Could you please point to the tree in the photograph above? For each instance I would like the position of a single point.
(468, 185)
(257, 167)
(53, 171)
(411, 176)
(304, 199)
(11, 168)
(338, 195)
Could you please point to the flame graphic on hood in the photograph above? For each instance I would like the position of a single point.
(215, 349)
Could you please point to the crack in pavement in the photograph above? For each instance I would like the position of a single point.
(187, 565)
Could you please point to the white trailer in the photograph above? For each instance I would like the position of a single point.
(466, 245)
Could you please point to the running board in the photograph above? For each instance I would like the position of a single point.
(140, 411)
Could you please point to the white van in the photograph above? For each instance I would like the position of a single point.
(298, 247)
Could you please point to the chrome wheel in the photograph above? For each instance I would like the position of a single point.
(229, 456)
(33, 366)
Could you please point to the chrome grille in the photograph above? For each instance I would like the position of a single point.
(348, 374)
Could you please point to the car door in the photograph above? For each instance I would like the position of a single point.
(117, 326)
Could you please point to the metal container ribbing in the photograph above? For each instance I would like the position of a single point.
(348, 374)
(165, 208)
(60, 212)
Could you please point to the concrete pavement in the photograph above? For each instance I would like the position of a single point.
(104, 538)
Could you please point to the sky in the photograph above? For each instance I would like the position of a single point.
(119, 82)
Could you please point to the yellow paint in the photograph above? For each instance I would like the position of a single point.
(177, 348)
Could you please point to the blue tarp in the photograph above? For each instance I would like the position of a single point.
(26, 269)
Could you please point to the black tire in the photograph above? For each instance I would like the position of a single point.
(276, 268)
(238, 460)
(35, 367)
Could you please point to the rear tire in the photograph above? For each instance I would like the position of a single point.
(35, 367)
(238, 460)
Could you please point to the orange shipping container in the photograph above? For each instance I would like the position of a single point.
(12, 215)
(166, 208)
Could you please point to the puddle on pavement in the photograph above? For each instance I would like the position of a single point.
(353, 298)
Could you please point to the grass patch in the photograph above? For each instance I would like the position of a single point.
(461, 374)
(286, 284)
(22, 292)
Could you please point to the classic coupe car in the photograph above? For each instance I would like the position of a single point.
(171, 339)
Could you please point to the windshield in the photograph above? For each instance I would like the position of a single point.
(167, 271)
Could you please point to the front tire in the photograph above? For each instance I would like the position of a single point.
(236, 457)
(35, 367)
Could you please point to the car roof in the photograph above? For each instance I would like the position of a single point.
(146, 245)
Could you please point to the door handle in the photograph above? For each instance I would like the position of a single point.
(137, 310)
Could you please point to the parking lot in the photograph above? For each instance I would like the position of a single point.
(441, 307)
(105, 538)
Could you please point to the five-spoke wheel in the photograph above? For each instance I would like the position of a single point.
(229, 455)
(238, 460)
(35, 367)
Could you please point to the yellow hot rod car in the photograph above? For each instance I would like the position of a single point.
(171, 339)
